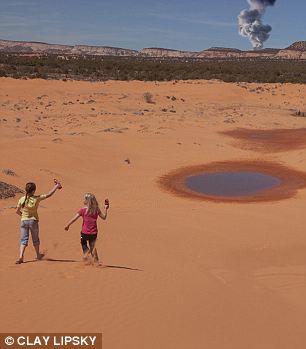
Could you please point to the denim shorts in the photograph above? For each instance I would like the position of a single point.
(27, 226)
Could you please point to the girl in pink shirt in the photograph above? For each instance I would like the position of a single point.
(90, 214)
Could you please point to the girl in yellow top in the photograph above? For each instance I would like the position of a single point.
(27, 208)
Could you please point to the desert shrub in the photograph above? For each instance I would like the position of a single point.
(8, 190)
(148, 97)
(300, 113)
(152, 69)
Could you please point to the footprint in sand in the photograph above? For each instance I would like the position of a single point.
(282, 279)
(23, 300)
(50, 172)
(66, 275)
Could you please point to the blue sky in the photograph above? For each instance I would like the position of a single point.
(191, 25)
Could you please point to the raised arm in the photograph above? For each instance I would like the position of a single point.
(72, 221)
(104, 215)
(51, 192)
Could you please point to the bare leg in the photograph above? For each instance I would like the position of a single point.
(95, 256)
(92, 246)
(86, 251)
(86, 259)
(22, 250)
(94, 252)
(39, 255)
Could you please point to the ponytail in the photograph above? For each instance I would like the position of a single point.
(29, 189)
(25, 200)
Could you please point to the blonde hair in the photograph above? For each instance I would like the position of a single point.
(91, 203)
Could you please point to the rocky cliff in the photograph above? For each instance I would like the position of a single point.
(24, 47)
(164, 52)
(220, 52)
(298, 46)
(295, 51)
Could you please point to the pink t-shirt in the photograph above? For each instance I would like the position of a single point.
(89, 221)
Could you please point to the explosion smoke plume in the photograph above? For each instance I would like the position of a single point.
(250, 24)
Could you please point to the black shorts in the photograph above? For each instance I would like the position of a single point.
(88, 237)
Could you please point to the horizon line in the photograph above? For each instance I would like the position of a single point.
(139, 50)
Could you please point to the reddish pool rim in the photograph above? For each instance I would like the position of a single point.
(291, 181)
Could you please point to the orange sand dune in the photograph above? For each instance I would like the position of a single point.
(177, 273)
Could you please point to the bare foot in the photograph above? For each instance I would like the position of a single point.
(86, 259)
(96, 262)
(40, 256)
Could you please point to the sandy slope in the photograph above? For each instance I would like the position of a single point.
(177, 273)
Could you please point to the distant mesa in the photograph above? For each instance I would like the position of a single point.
(164, 52)
(224, 49)
(295, 51)
(29, 47)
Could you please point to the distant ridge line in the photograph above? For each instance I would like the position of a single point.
(295, 51)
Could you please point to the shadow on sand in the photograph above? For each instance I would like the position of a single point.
(30, 261)
(119, 267)
(60, 260)
(50, 260)
(104, 266)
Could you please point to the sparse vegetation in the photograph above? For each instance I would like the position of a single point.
(8, 172)
(97, 68)
(8, 190)
(300, 113)
(148, 97)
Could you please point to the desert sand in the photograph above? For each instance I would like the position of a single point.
(176, 272)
